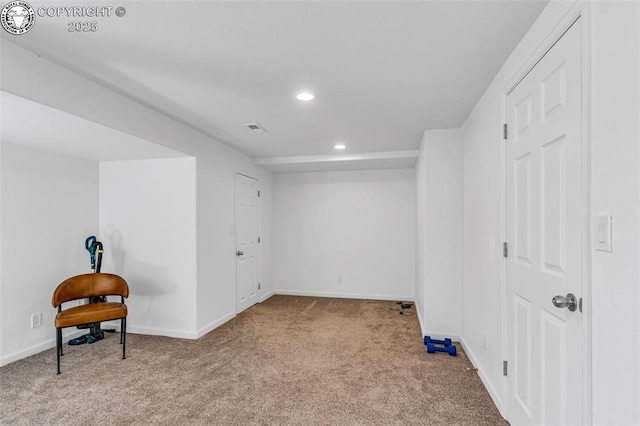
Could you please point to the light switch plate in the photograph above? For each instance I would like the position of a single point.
(602, 233)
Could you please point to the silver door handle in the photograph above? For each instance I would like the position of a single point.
(570, 302)
(239, 253)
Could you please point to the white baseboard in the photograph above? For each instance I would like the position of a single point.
(343, 295)
(266, 296)
(179, 334)
(441, 335)
(420, 321)
(493, 392)
(40, 347)
(215, 324)
(152, 331)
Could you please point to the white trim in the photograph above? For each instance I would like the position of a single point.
(247, 176)
(215, 324)
(267, 296)
(441, 335)
(179, 334)
(40, 347)
(343, 295)
(562, 26)
(114, 324)
(581, 10)
(587, 363)
(493, 392)
(237, 172)
(423, 330)
(152, 331)
(504, 338)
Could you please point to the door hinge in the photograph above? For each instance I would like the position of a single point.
(504, 368)
(258, 286)
(258, 194)
(505, 249)
(506, 131)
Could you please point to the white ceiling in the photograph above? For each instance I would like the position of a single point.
(66, 134)
(383, 72)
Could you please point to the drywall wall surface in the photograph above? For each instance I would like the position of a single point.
(49, 207)
(482, 301)
(267, 287)
(421, 234)
(615, 161)
(345, 234)
(483, 233)
(27, 75)
(614, 190)
(216, 168)
(440, 225)
(1, 192)
(148, 228)
(217, 239)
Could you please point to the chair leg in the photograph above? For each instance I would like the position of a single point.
(123, 336)
(58, 346)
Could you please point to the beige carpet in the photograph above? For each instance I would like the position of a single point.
(289, 360)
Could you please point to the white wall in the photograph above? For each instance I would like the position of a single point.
(267, 288)
(1, 208)
(482, 301)
(148, 228)
(1, 272)
(615, 160)
(483, 215)
(615, 187)
(439, 177)
(358, 225)
(27, 75)
(49, 207)
(421, 235)
(216, 240)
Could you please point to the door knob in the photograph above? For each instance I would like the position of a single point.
(570, 302)
(239, 253)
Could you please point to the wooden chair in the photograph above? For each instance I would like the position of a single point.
(87, 286)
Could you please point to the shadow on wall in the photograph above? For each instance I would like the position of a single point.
(147, 281)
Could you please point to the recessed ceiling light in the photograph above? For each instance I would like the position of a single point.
(305, 96)
(340, 146)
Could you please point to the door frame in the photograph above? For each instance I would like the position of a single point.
(580, 10)
(235, 235)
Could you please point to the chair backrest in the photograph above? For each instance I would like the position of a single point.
(89, 285)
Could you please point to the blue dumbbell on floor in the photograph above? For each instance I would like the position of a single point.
(431, 348)
(445, 342)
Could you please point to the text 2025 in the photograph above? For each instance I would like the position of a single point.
(83, 27)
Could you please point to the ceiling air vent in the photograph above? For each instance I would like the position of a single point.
(256, 128)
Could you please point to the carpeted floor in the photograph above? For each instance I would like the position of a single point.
(289, 360)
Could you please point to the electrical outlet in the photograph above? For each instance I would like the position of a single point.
(339, 278)
(36, 320)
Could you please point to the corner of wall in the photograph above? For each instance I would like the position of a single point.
(440, 223)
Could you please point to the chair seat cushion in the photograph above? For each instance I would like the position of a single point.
(93, 312)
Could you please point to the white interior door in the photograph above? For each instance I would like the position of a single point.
(247, 253)
(544, 233)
